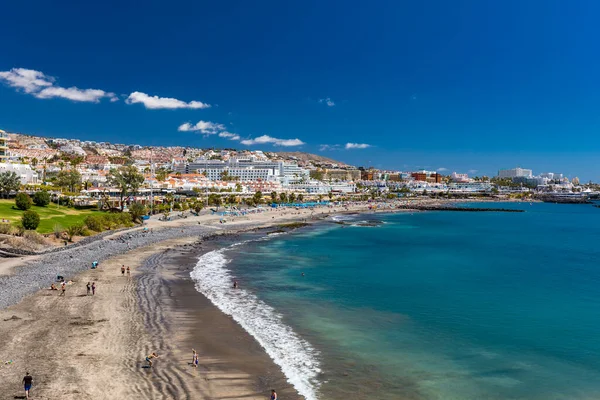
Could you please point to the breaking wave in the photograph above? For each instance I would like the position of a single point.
(295, 356)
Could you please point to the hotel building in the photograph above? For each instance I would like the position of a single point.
(515, 173)
(3, 146)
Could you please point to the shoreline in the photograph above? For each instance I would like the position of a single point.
(66, 325)
(82, 342)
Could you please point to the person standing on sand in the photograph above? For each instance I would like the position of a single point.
(63, 287)
(273, 394)
(89, 288)
(122, 270)
(27, 383)
(93, 288)
(128, 271)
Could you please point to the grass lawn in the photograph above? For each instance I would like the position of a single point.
(49, 215)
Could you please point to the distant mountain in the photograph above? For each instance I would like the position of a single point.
(314, 158)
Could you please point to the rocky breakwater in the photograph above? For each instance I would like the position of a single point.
(455, 208)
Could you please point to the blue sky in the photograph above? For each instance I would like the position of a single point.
(456, 86)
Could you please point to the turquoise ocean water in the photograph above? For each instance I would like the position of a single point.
(433, 305)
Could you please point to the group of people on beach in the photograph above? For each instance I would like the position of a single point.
(91, 288)
(123, 269)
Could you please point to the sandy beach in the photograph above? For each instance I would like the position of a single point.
(94, 347)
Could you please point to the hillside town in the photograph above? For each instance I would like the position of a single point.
(81, 171)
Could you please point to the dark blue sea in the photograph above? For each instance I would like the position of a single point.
(427, 305)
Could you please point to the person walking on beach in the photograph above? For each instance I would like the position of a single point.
(63, 287)
(93, 288)
(235, 284)
(122, 270)
(27, 383)
(89, 288)
(273, 394)
(194, 358)
(128, 271)
(149, 359)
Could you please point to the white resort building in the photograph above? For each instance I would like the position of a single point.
(245, 169)
(27, 175)
(3, 146)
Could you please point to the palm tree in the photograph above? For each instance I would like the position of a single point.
(161, 174)
(292, 197)
(283, 197)
(300, 197)
(274, 197)
(169, 199)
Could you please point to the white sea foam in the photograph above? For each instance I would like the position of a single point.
(296, 357)
(367, 224)
(343, 217)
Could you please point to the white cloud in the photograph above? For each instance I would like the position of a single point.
(204, 127)
(265, 139)
(75, 94)
(325, 147)
(42, 86)
(27, 79)
(350, 146)
(442, 169)
(155, 102)
(472, 171)
(229, 135)
(327, 101)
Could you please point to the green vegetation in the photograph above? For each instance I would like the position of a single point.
(106, 221)
(137, 211)
(70, 180)
(9, 181)
(23, 201)
(128, 179)
(49, 215)
(77, 229)
(30, 220)
(41, 198)
(198, 206)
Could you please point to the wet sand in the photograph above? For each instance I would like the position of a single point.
(223, 345)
